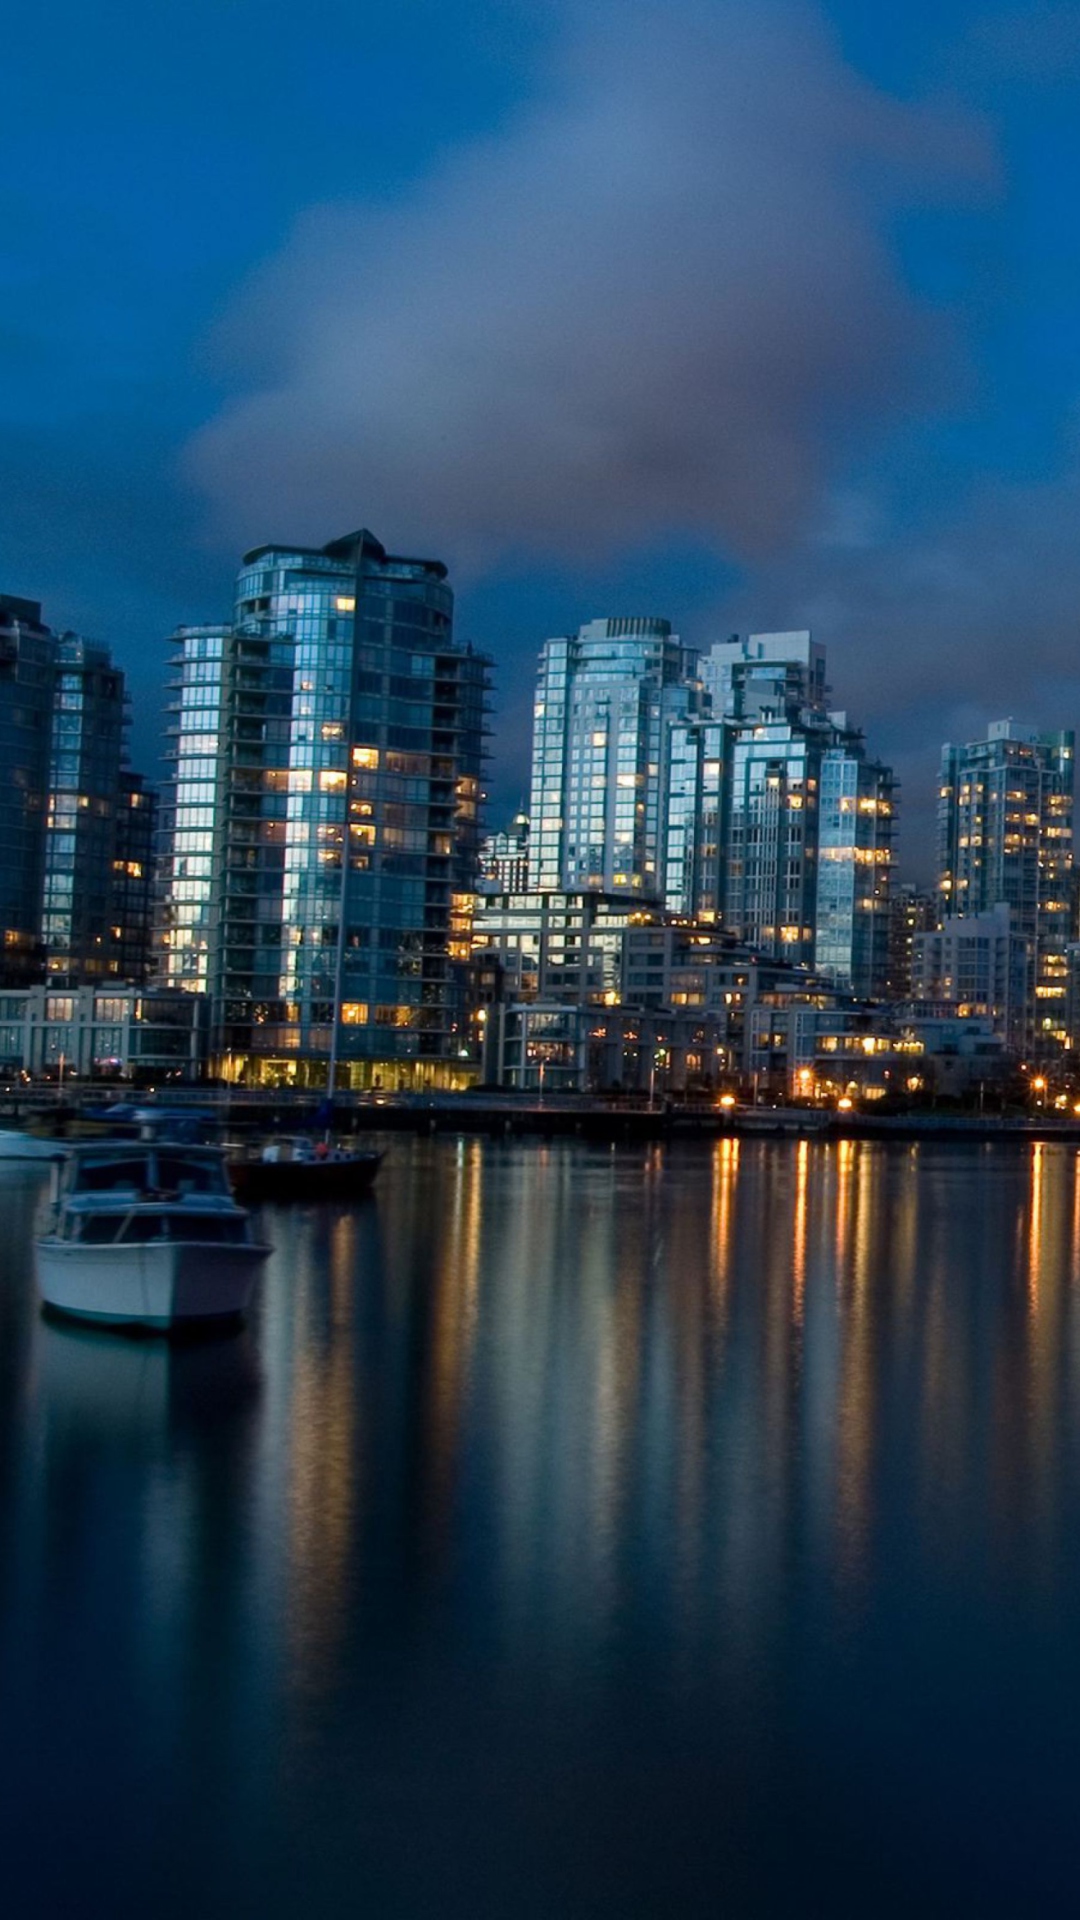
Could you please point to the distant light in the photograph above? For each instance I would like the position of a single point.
(845, 1104)
(727, 1101)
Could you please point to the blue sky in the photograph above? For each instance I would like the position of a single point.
(753, 316)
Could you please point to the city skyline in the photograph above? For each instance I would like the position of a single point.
(819, 372)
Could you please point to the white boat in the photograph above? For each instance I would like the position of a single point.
(23, 1146)
(147, 1234)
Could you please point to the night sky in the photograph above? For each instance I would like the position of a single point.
(754, 316)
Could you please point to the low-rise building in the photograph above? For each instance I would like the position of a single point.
(106, 1033)
(871, 1052)
(552, 1047)
(980, 965)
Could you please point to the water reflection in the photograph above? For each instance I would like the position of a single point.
(550, 1460)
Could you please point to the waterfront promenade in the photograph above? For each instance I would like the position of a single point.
(507, 1115)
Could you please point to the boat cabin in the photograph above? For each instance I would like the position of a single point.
(125, 1191)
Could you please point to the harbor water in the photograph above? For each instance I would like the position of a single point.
(572, 1531)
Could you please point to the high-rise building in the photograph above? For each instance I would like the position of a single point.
(131, 925)
(85, 759)
(722, 789)
(856, 820)
(912, 910)
(766, 676)
(64, 792)
(1005, 838)
(605, 697)
(26, 691)
(809, 848)
(322, 819)
(504, 858)
(698, 752)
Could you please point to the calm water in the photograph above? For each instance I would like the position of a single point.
(570, 1533)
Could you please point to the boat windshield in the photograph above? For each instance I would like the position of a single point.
(138, 1227)
(158, 1169)
(118, 1170)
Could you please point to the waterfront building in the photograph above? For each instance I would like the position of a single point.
(85, 759)
(912, 910)
(847, 1051)
(222, 821)
(582, 951)
(322, 819)
(556, 1047)
(106, 1032)
(134, 868)
(695, 817)
(856, 818)
(809, 848)
(978, 966)
(778, 824)
(554, 946)
(604, 700)
(1005, 821)
(26, 686)
(67, 874)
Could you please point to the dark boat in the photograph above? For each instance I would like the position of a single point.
(294, 1170)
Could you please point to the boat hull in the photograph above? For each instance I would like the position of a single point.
(158, 1284)
(254, 1180)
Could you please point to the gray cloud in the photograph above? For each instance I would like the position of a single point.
(933, 633)
(653, 304)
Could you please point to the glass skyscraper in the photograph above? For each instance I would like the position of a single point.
(604, 700)
(695, 816)
(26, 688)
(323, 818)
(794, 850)
(67, 868)
(1005, 819)
(85, 759)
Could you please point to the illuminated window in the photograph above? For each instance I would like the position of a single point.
(365, 756)
(345, 603)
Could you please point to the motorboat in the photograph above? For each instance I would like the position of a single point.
(146, 1233)
(15, 1145)
(293, 1167)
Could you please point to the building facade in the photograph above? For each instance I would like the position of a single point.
(604, 701)
(809, 848)
(1005, 824)
(912, 910)
(134, 858)
(26, 692)
(69, 905)
(504, 858)
(322, 819)
(109, 1032)
(980, 966)
(86, 752)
